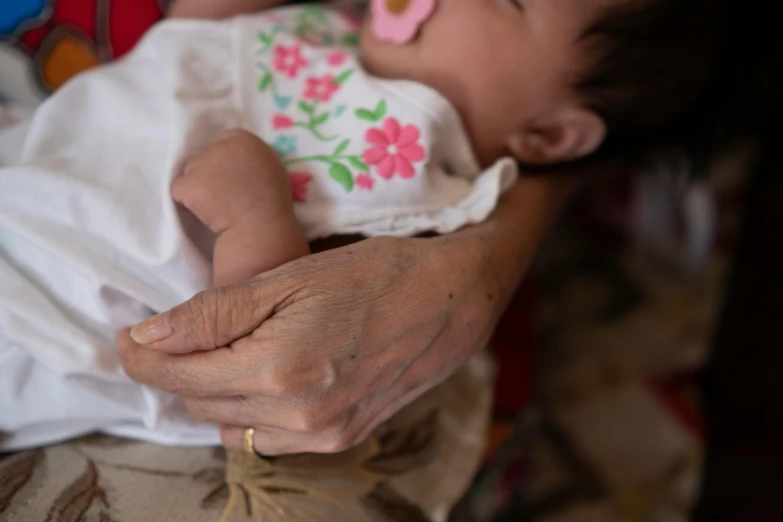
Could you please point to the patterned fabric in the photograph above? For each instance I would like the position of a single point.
(413, 469)
(366, 155)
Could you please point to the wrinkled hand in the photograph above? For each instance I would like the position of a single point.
(317, 353)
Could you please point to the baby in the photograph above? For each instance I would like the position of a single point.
(131, 188)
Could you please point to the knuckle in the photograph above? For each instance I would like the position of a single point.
(324, 379)
(180, 187)
(192, 192)
(334, 442)
(246, 142)
(227, 432)
(231, 133)
(312, 420)
(277, 384)
(293, 380)
(203, 312)
(230, 437)
(197, 410)
(191, 169)
(169, 379)
(240, 135)
(131, 366)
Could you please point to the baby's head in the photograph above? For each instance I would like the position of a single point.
(552, 81)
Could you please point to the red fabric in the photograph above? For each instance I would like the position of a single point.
(77, 14)
(514, 346)
(128, 20)
(678, 395)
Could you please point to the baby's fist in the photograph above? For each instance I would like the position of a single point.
(236, 177)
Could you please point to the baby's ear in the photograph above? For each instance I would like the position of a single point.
(567, 135)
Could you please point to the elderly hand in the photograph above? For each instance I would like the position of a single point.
(317, 353)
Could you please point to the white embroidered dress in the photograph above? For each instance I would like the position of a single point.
(90, 240)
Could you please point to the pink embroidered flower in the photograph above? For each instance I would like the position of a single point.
(393, 150)
(288, 60)
(281, 121)
(336, 58)
(322, 89)
(299, 183)
(397, 21)
(364, 181)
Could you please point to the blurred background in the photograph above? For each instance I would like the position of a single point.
(625, 301)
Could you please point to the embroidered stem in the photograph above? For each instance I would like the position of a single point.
(315, 131)
(313, 121)
(338, 171)
(323, 158)
(267, 40)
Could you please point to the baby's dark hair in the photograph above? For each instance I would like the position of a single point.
(653, 63)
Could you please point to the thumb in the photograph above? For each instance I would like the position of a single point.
(210, 319)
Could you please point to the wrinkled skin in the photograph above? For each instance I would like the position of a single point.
(318, 352)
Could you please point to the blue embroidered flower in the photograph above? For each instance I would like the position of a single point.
(285, 144)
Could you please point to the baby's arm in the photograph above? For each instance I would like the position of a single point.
(240, 190)
(217, 9)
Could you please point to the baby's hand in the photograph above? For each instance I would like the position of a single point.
(241, 191)
(232, 181)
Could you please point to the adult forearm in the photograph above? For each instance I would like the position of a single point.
(510, 238)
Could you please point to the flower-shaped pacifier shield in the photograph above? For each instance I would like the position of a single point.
(397, 21)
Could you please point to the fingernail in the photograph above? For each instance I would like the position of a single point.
(151, 330)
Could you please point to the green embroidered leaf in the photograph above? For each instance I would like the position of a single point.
(351, 39)
(305, 107)
(380, 109)
(343, 77)
(320, 16)
(264, 38)
(341, 175)
(305, 30)
(364, 114)
(358, 164)
(264, 82)
(320, 119)
(341, 147)
(374, 115)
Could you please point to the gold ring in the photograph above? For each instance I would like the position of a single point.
(247, 441)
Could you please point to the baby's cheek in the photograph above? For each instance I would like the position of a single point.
(376, 57)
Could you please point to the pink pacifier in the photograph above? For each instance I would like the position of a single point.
(397, 21)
